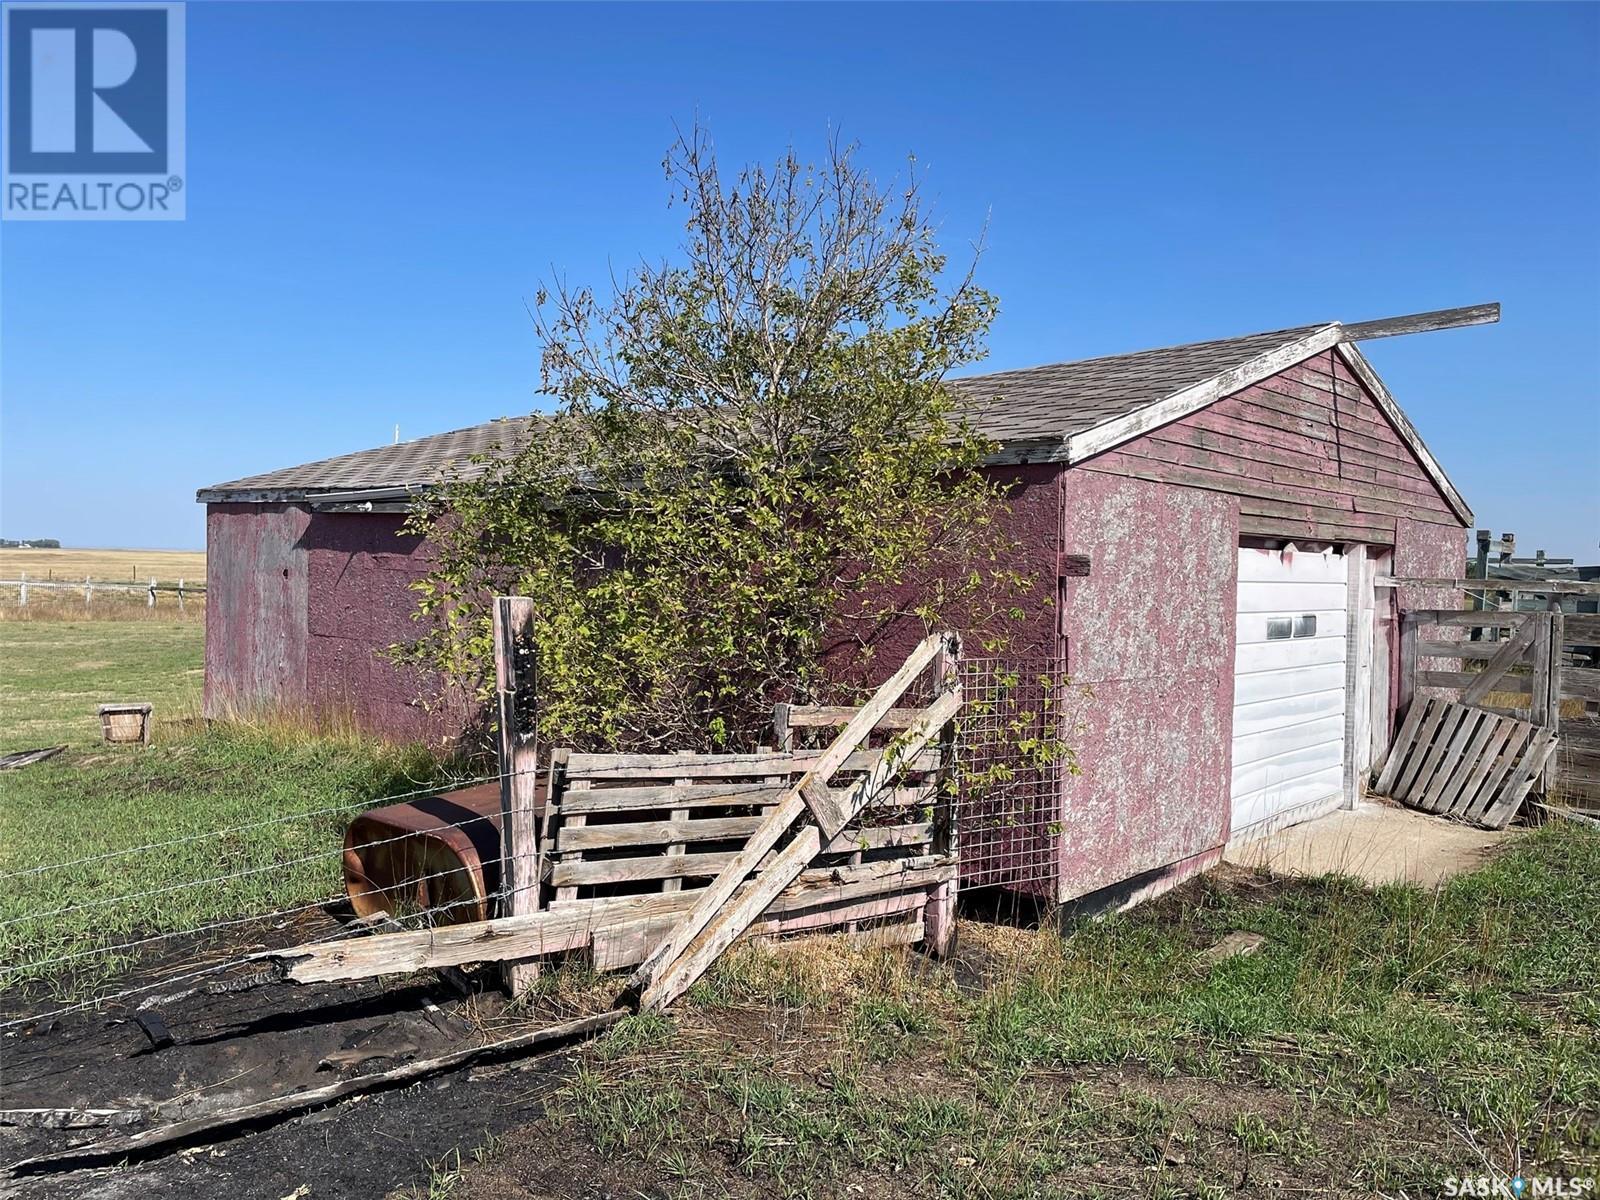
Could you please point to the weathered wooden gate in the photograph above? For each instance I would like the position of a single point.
(1536, 671)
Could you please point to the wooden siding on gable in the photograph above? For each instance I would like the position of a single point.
(1307, 452)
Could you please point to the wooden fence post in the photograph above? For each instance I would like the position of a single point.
(1558, 637)
(88, 590)
(939, 914)
(1407, 688)
(519, 760)
(1539, 702)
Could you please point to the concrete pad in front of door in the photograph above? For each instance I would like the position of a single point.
(1378, 842)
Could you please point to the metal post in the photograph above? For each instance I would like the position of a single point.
(180, 593)
(22, 592)
(152, 603)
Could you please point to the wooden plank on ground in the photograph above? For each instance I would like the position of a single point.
(114, 1150)
(549, 931)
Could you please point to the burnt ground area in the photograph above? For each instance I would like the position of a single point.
(233, 1049)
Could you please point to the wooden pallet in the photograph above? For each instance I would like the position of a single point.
(1464, 762)
(665, 860)
(656, 830)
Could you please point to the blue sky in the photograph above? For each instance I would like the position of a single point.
(375, 190)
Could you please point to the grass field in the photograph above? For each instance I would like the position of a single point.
(112, 566)
(106, 603)
(57, 673)
(99, 799)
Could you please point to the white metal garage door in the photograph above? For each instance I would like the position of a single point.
(1289, 688)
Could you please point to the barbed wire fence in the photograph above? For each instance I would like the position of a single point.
(26, 957)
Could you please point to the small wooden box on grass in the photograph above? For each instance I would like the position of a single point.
(125, 723)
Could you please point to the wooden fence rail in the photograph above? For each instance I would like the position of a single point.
(89, 587)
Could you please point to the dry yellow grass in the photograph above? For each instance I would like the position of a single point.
(106, 566)
(119, 567)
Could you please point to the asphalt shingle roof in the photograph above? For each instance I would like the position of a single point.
(1033, 404)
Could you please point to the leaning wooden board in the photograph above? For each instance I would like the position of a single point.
(810, 814)
(1460, 761)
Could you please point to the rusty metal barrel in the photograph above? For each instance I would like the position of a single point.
(438, 855)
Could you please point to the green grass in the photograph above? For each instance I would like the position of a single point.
(82, 805)
(98, 799)
(1379, 1041)
(54, 675)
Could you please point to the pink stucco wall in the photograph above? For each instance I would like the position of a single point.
(1150, 637)
(1424, 550)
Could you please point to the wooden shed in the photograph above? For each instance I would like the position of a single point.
(1214, 517)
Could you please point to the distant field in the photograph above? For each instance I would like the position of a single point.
(108, 566)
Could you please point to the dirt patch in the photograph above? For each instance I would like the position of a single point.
(1379, 843)
(1138, 1133)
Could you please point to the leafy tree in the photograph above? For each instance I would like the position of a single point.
(755, 462)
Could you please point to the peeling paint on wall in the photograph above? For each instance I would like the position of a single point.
(301, 610)
(1424, 550)
(1150, 656)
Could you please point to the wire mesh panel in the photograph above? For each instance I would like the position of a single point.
(1012, 756)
